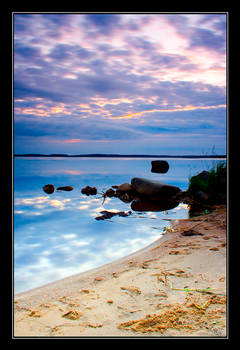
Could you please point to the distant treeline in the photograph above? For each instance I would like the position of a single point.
(99, 155)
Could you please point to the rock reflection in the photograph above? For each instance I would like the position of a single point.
(161, 205)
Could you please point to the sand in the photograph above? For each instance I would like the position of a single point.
(175, 287)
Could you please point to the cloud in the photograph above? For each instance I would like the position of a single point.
(208, 39)
(104, 24)
(80, 73)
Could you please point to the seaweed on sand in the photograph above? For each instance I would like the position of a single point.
(191, 315)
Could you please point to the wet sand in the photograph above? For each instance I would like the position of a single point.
(174, 287)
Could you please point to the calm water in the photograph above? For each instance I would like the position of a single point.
(56, 235)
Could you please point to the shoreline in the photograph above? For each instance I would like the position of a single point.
(112, 299)
(115, 265)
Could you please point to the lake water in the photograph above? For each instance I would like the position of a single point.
(56, 235)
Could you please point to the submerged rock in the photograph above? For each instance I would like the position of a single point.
(65, 188)
(48, 188)
(153, 188)
(159, 166)
(88, 190)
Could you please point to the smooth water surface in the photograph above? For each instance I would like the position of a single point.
(57, 235)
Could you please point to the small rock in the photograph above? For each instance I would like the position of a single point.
(48, 188)
(88, 190)
(65, 188)
(110, 193)
(191, 233)
(159, 166)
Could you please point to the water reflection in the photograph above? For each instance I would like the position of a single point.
(144, 205)
(56, 235)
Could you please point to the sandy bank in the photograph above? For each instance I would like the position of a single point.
(174, 287)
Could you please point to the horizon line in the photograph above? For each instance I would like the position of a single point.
(119, 155)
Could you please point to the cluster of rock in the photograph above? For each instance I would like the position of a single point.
(150, 195)
(140, 190)
(146, 195)
(88, 190)
(143, 194)
(49, 188)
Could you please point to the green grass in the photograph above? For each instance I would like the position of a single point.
(212, 182)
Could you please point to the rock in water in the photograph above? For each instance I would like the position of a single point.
(153, 188)
(88, 190)
(126, 187)
(48, 188)
(65, 188)
(159, 166)
(109, 193)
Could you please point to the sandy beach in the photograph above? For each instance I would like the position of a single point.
(174, 287)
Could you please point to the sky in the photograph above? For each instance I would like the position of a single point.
(120, 83)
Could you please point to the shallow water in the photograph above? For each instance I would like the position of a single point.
(57, 235)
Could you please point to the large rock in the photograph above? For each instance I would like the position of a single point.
(153, 188)
(159, 166)
(126, 187)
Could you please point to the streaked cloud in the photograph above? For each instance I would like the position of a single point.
(76, 75)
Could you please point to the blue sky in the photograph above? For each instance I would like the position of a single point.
(120, 83)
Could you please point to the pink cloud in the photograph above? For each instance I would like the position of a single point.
(169, 110)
